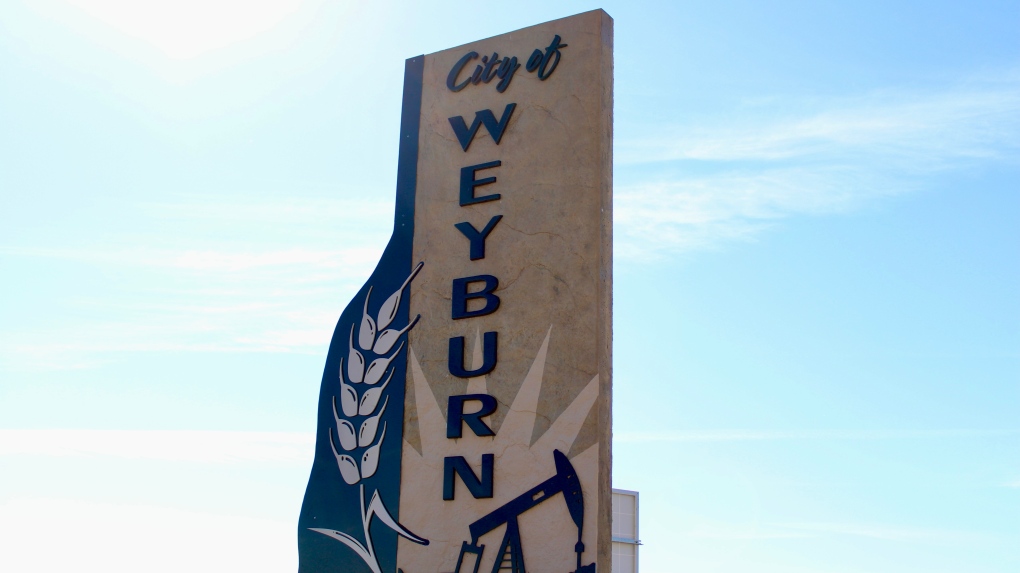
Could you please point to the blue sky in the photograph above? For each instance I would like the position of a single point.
(817, 297)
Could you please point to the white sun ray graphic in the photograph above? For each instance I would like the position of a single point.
(547, 532)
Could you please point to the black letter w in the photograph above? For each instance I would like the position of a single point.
(466, 134)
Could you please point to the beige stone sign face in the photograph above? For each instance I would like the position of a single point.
(464, 416)
(513, 222)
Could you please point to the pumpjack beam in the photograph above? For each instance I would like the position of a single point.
(511, 554)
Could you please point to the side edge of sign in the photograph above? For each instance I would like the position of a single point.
(605, 320)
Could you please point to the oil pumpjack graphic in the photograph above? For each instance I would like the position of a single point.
(511, 552)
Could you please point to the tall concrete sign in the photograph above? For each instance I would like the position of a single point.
(464, 419)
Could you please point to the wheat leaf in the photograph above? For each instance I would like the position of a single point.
(370, 399)
(378, 509)
(345, 431)
(353, 544)
(370, 459)
(366, 335)
(348, 469)
(369, 427)
(378, 367)
(355, 362)
(389, 337)
(388, 311)
(348, 399)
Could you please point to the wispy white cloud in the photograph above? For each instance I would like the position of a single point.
(720, 531)
(191, 290)
(711, 530)
(302, 326)
(185, 29)
(885, 532)
(742, 174)
(73, 535)
(281, 290)
(223, 261)
(772, 435)
(363, 214)
(171, 445)
(700, 212)
(807, 530)
(960, 121)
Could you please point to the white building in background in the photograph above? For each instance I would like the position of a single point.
(625, 531)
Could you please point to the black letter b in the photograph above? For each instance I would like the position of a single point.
(461, 296)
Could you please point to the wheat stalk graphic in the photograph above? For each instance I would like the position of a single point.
(374, 338)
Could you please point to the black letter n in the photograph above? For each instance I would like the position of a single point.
(479, 488)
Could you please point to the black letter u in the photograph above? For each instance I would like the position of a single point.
(456, 356)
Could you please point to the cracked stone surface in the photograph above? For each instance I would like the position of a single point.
(552, 254)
